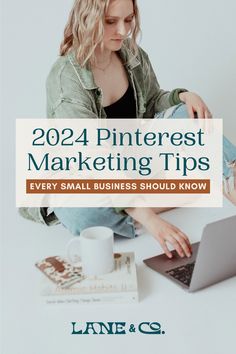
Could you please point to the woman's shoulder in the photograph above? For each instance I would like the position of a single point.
(62, 66)
(68, 82)
(66, 71)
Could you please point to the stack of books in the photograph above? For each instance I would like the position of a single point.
(66, 284)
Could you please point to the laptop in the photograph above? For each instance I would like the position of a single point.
(213, 259)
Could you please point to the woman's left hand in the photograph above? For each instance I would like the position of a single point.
(195, 105)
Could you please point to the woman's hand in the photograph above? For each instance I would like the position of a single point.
(195, 105)
(162, 231)
(165, 233)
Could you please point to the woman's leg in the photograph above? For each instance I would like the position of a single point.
(229, 152)
(77, 219)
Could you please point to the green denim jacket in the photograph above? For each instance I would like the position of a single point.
(72, 93)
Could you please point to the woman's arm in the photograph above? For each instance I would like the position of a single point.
(156, 99)
(162, 231)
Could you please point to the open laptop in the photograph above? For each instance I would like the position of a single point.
(213, 259)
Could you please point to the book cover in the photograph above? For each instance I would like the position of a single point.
(59, 271)
(119, 286)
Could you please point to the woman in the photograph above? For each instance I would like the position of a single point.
(98, 50)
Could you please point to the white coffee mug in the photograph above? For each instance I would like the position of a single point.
(94, 247)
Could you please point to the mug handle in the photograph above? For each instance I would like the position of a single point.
(73, 251)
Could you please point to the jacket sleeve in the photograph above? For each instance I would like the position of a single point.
(157, 100)
(66, 96)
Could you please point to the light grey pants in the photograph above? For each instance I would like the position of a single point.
(77, 219)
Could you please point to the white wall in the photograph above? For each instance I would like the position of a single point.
(192, 44)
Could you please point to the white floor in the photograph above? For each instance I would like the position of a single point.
(200, 322)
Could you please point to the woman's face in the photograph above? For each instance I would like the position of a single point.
(118, 23)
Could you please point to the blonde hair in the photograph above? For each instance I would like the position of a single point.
(85, 29)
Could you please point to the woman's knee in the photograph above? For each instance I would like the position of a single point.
(180, 111)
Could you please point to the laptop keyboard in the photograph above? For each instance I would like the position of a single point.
(182, 273)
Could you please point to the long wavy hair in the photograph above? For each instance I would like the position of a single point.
(84, 30)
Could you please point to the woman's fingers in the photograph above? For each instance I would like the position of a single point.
(190, 111)
(165, 248)
(208, 114)
(180, 243)
(200, 112)
(167, 233)
(181, 234)
(185, 237)
(184, 245)
(175, 243)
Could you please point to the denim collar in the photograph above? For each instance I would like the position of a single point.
(85, 75)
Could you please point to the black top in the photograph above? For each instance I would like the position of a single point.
(125, 107)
